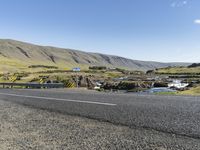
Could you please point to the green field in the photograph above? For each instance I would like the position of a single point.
(178, 70)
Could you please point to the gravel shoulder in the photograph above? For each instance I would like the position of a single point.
(23, 127)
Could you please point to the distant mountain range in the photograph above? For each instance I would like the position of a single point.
(16, 55)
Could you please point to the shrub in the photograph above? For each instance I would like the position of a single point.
(194, 65)
(43, 66)
(98, 67)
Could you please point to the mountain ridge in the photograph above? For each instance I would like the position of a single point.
(18, 55)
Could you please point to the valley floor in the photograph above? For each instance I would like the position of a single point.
(23, 127)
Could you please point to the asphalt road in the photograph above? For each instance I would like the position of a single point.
(179, 115)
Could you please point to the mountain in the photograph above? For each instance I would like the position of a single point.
(18, 56)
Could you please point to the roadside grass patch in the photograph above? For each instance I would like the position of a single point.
(192, 91)
(166, 93)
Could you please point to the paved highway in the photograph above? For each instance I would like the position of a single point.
(171, 114)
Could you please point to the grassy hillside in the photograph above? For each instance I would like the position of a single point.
(18, 56)
(179, 70)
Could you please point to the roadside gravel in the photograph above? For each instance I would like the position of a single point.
(23, 128)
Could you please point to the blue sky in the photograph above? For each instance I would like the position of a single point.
(158, 30)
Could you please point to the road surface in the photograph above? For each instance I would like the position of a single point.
(179, 115)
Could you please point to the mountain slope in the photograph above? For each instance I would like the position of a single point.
(15, 56)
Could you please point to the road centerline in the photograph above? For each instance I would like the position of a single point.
(58, 99)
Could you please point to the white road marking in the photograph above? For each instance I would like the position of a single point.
(58, 99)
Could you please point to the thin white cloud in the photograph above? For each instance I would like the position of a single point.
(179, 3)
(173, 4)
(185, 2)
(197, 21)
